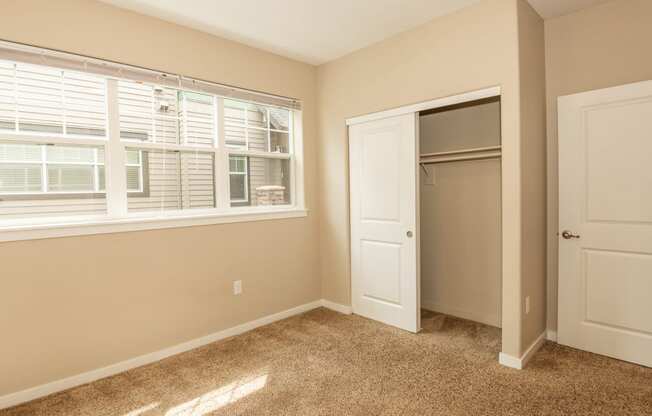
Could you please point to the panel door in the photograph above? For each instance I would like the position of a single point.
(605, 218)
(383, 185)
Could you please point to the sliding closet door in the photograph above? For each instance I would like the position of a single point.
(383, 178)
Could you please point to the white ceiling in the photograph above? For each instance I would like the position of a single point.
(313, 31)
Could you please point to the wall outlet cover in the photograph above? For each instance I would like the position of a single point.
(237, 287)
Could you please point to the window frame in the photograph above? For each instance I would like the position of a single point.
(117, 219)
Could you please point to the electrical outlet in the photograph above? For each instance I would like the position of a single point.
(237, 287)
(527, 305)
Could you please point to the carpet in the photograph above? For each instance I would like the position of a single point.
(325, 363)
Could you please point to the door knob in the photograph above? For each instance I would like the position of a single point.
(568, 235)
(409, 234)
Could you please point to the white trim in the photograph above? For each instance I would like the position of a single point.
(427, 105)
(47, 138)
(487, 319)
(166, 147)
(256, 153)
(337, 307)
(551, 335)
(510, 361)
(297, 170)
(115, 156)
(520, 363)
(33, 393)
(75, 227)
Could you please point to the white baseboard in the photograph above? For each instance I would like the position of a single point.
(27, 395)
(551, 335)
(520, 363)
(346, 310)
(487, 319)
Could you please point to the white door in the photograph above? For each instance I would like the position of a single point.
(605, 191)
(383, 166)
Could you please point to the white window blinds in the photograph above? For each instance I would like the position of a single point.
(46, 100)
(28, 54)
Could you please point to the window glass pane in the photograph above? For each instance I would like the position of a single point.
(133, 157)
(19, 178)
(135, 103)
(173, 181)
(40, 99)
(68, 154)
(197, 119)
(68, 182)
(268, 182)
(133, 178)
(148, 113)
(280, 142)
(279, 119)
(7, 96)
(101, 177)
(14, 152)
(85, 103)
(165, 115)
(257, 116)
(257, 140)
(197, 180)
(238, 179)
(71, 178)
(237, 164)
(238, 187)
(234, 124)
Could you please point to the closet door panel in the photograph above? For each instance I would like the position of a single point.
(382, 156)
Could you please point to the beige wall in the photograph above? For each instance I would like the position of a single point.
(70, 305)
(460, 224)
(533, 172)
(599, 47)
(472, 49)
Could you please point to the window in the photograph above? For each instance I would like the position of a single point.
(261, 177)
(238, 180)
(75, 144)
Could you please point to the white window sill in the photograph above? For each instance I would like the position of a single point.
(138, 222)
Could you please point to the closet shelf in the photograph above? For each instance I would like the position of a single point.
(462, 151)
(492, 152)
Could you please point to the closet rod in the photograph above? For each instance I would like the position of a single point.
(491, 155)
(456, 152)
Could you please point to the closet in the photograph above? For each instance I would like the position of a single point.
(425, 205)
(460, 210)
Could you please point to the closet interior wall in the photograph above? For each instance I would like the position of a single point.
(460, 211)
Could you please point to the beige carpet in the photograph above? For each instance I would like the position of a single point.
(324, 363)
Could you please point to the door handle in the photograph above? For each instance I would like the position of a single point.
(409, 234)
(569, 235)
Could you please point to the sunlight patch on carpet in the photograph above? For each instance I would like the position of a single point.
(218, 398)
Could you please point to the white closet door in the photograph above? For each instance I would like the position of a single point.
(383, 164)
(605, 219)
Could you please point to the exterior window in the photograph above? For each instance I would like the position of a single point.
(49, 171)
(134, 170)
(75, 144)
(259, 135)
(238, 180)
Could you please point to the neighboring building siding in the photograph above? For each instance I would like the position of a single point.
(148, 114)
(39, 99)
(261, 171)
(173, 180)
